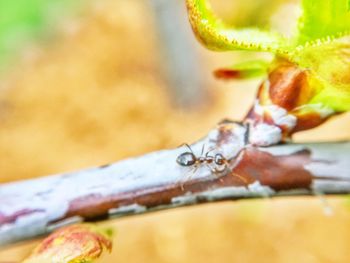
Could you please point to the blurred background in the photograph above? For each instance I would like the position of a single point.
(84, 83)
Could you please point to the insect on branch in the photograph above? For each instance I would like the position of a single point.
(158, 181)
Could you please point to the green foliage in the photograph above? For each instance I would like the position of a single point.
(322, 19)
(216, 35)
(22, 20)
(321, 45)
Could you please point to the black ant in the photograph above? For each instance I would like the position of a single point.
(188, 159)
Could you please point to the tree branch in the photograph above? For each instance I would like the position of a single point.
(156, 181)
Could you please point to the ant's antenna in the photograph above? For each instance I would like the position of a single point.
(202, 149)
(210, 150)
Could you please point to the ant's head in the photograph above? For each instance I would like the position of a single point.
(219, 159)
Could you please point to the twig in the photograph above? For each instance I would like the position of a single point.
(156, 181)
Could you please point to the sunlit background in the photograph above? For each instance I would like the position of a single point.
(84, 83)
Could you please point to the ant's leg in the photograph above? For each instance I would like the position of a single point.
(241, 178)
(189, 147)
(217, 172)
(182, 181)
(195, 169)
(226, 169)
(188, 176)
(237, 175)
(211, 168)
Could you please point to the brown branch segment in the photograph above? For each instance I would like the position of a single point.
(155, 181)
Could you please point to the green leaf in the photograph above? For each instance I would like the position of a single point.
(22, 21)
(328, 64)
(216, 35)
(324, 50)
(322, 19)
(320, 47)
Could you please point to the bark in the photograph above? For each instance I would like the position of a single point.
(156, 181)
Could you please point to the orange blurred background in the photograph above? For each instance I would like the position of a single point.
(95, 90)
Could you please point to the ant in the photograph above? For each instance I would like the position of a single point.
(188, 159)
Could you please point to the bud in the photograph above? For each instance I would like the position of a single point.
(73, 244)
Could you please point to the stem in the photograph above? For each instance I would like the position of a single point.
(179, 55)
(155, 181)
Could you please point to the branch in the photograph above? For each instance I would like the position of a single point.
(156, 181)
(180, 59)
